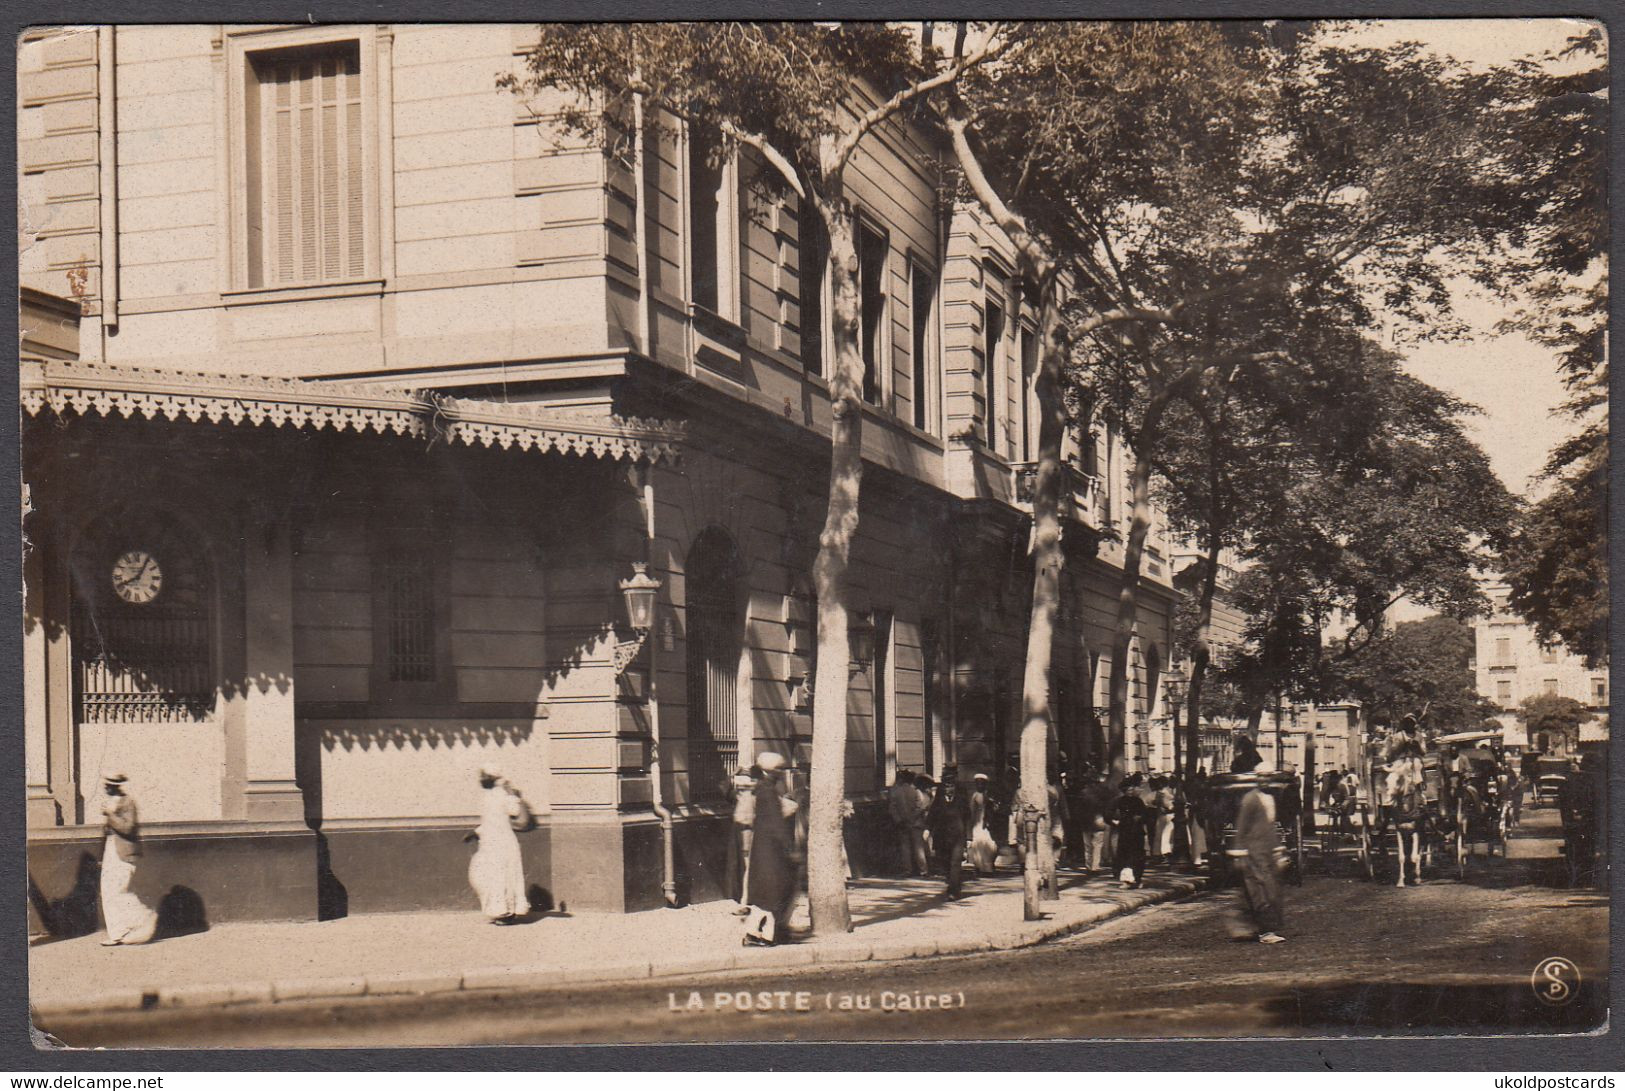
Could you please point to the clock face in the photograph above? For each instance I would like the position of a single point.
(137, 577)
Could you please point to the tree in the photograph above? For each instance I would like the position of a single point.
(1419, 668)
(1009, 157)
(1332, 209)
(1557, 143)
(784, 92)
(1388, 500)
(1553, 716)
(1120, 143)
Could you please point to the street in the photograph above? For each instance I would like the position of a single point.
(1362, 958)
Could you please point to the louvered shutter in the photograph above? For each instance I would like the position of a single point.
(313, 211)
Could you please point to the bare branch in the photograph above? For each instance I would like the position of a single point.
(987, 51)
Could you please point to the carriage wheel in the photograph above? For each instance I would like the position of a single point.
(1365, 847)
(1461, 839)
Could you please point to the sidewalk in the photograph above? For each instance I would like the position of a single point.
(444, 952)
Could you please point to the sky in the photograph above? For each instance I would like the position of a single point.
(1512, 379)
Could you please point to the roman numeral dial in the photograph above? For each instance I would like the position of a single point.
(137, 577)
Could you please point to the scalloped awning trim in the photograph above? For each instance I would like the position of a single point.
(112, 391)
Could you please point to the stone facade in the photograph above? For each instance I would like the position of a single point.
(1510, 666)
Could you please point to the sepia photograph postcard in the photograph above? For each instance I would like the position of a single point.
(712, 532)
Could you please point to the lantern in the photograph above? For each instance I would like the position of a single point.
(860, 635)
(640, 593)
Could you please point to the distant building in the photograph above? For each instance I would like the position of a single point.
(1511, 665)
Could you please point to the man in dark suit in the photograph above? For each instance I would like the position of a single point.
(950, 820)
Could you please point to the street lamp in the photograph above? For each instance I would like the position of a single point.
(860, 638)
(639, 591)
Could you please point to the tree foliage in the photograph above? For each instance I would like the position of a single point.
(1553, 715)
(1557, 143)
(1418, 668)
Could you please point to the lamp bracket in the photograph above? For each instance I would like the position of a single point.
(627, 650)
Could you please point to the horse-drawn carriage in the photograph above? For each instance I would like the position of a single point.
(1437, 803)
(1225, 793)
(1480, 807)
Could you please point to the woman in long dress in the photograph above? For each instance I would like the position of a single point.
(129, 920)
(497, 871)
(772, 879)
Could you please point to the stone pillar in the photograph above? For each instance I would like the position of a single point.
(42, 805)
(58, 690)
(270, 790)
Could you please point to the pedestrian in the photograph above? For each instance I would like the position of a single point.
(1196, 808)
(743, 788)
(1092, 816)
(1247, 756)
(1060, 815)
(497, 870)
(129, 920)
(1163, 798)
(772, 878)
(1128, 820)
(950, 821)
(924, 791)
(902, 801)
(984, 850)
(1258, 846)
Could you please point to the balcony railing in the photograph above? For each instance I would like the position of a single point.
(1080, 492)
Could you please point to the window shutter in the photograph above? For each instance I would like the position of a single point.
(313, 163)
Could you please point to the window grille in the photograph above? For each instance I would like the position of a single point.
(713, 693)
(143, 664)
(408, 585)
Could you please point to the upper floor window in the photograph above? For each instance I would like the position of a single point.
(305, 166)
(872, 296)
(812, 257)
(922, 314)
(1503, 651)
(992, 372)
(1029, 395)
(1548, 653)
(713, 210)
(1503, 692)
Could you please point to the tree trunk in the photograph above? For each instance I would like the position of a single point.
(1201, 653)
(826, 878)
(1128, 598)
(1048, 561)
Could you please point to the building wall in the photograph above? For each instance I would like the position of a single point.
(502, 262)
(1511, 666)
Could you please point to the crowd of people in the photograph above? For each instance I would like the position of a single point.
(945, 828)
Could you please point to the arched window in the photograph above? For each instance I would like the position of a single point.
(715, 629)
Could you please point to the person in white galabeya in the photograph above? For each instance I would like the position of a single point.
(129, 920)
(497, 871)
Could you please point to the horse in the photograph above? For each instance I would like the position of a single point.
(1403, 797)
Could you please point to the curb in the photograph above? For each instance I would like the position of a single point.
(837, 952)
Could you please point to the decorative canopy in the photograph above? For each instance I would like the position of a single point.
(109, 391)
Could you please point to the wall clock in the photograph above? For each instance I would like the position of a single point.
(137, 577)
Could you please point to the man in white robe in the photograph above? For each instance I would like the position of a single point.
(129, 920)
(497, 871)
